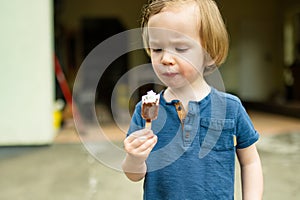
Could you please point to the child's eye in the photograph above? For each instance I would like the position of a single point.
(181, 49)
(156, 50)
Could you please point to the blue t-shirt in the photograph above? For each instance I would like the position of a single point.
(194, 158)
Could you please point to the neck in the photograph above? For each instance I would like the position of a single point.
(191, 92)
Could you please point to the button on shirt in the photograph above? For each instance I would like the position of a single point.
(194, 157)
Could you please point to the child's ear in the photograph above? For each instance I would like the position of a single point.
(208, 60)
(209, 69)
(210, 65)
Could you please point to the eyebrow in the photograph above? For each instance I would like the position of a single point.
(175, 41)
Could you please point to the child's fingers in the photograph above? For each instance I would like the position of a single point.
(132, 143)
(141, 141)
(148, 145)
(140, 134)
(141, 149)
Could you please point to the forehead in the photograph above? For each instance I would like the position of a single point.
(189, 9)
(177, 20)
(158, 35)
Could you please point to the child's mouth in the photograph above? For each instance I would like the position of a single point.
(169, 74)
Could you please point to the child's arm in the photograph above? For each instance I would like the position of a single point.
(138, 146)
(251, 173)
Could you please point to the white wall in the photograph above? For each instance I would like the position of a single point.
(26, 70)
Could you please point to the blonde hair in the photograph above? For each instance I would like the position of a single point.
(213, 33)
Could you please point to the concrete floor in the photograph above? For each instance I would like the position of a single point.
(60, 172)
(66, 171)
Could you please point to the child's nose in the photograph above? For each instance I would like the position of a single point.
(167, 58)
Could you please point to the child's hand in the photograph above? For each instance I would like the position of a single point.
(139, 144)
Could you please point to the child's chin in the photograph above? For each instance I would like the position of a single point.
(176, 85)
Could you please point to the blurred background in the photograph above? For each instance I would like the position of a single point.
(43, 45)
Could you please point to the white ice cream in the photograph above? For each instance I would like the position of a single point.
(151, 97)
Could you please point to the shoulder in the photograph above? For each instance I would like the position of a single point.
(230, 98)
(228, 102)
(138, 105)
(137, 109)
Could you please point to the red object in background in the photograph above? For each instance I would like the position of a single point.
(63, 82)
(67, 93)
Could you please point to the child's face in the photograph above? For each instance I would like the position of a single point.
(175, 45)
